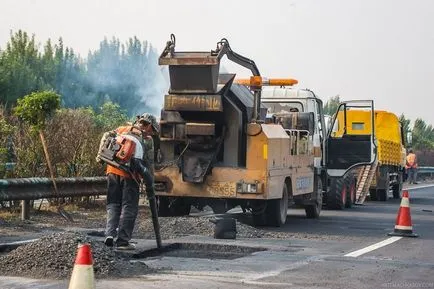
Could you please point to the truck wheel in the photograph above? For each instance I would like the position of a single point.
(351, 193)
(382, 195)
(373, 194)
(277, 209)
(396, 191)
(259, 212)
(337, 196)
(313, 211)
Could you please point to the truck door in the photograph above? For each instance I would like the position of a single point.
(350, 142)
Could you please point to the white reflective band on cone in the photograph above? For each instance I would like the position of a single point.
(405, 202)
(398, 227)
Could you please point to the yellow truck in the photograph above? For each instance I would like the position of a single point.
(227, 143)
(389, 139)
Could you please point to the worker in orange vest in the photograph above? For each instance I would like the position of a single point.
(123, 187)
(411, 166)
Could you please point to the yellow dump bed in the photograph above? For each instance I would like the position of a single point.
(387, 131)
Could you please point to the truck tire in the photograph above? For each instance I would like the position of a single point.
(382, 194)
(277, 210)
(258, 213)
(313, 211)
(337, 195)
(271, 212)
(396, 189)
(174, 207)
(373, 194)
(351, 192)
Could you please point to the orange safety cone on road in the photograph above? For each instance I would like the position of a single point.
(403, 225)
(82, 275)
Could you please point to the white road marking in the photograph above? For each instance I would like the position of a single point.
(286, 285)
(373, 247)
(419, 187)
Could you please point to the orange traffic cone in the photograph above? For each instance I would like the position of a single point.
(82, 274)
(403, 225)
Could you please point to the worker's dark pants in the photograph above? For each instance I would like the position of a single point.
(412, 175)
(122, 207)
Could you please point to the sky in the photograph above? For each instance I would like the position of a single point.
(358, 49)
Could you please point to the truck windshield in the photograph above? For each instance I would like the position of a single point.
(283, 107)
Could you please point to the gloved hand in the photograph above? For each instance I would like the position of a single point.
(139, 167)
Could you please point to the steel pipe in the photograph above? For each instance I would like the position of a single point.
(39, 188)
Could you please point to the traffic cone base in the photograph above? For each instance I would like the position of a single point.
(403, 233)
(403, 227)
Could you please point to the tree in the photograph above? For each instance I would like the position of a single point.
(331, 106)
(405, 127)
(19, 73)
(124, 73)
(7, 153)
(111, 115)
(423, 135)
(35, 109)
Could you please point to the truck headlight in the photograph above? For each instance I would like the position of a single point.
(249, 188)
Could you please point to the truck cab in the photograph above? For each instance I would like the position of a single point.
(336, 156)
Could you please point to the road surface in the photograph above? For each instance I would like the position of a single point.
(342, 249)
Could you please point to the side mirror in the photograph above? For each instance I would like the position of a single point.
(409, 137)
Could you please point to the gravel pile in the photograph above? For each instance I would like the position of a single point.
(174, 227)
(53, 257)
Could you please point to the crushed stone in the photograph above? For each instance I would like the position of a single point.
(175, 227)
(53, 257)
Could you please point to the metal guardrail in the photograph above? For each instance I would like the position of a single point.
(425, 170)
(40, 188)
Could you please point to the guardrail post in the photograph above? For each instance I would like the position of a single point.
(25, 210)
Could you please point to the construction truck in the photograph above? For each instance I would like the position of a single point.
(218, 148)
(337, 157)
(386, 173)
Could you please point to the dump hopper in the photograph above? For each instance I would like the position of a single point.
(192, 72)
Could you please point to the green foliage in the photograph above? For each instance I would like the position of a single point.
(405, 123)
(19, 68)
(124, 73)
(6, 149)
(111, 116)
(331, 106)
(423, 135)
(37, 107)
(72, 136)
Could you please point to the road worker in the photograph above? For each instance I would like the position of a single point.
(411, 167)
(124, 187)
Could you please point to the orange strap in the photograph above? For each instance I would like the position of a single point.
(114, 170)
